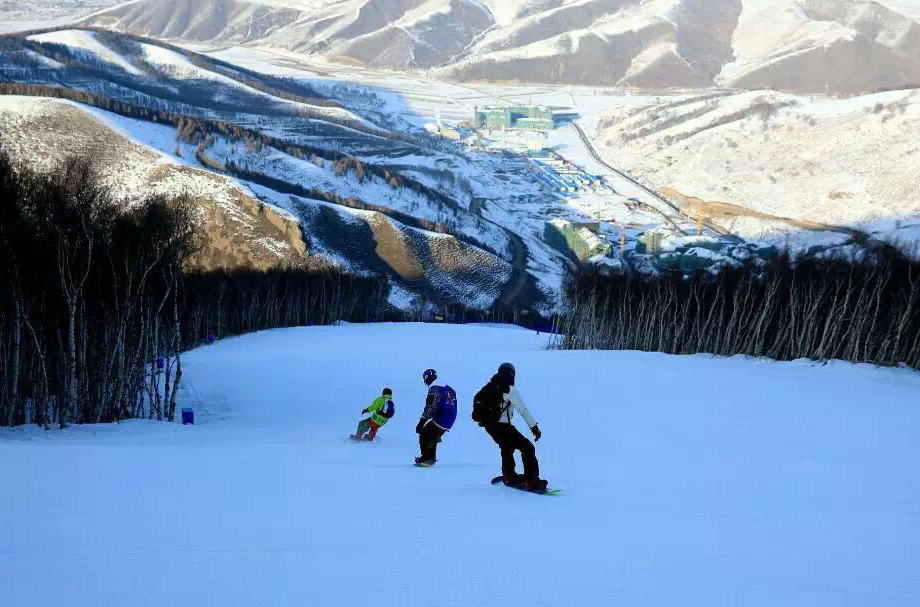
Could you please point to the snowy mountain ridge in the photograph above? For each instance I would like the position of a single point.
(805, 46)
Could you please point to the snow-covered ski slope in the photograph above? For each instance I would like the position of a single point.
(689, 481)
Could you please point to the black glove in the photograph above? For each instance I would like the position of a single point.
(536, 433)
(421, 424)
(365, 411)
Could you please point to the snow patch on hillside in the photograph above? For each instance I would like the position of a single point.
(834, 162)
(88, 43)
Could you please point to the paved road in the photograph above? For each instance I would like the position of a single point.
(858, 237)
(519, 252)
(518, 281)
(597, 157)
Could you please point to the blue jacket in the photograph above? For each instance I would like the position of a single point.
(440, 407)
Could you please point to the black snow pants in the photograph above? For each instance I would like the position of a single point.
(509, 439)
(428, 440)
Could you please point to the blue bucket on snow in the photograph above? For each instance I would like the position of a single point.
(188, 417)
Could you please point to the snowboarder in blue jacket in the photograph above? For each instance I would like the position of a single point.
(438, 417)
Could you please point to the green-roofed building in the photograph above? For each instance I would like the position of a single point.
(529, 117)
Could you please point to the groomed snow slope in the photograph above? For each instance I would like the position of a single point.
(688, 481)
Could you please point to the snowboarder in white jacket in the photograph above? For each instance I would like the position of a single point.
(494, 409)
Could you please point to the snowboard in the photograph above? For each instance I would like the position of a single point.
(498, 480)
(423, 465)
(352, 439)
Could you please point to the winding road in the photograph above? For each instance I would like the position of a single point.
(597, 158)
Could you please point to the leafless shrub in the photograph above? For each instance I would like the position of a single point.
(818, 309)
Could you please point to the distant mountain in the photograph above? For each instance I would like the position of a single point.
(386, 33)
(19, 15)
(761, 161)
(805, 46)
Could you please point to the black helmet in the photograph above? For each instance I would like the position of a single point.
(388, 392)
(429, 376)
(507, 372)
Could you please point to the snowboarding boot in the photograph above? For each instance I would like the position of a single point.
(536, 486)
(367, 438)
(515, 480)
(421, 461)
(356, 437)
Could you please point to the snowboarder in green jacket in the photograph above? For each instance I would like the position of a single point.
(378, 414)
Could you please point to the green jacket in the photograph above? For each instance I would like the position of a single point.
(381, 406)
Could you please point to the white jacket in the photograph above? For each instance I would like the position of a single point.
(513, 402)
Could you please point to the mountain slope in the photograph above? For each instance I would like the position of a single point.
(228, 21)
(275, 148)
(238, 231)
(837, 46)
(753, 155)
(391, 33)
(21, 15)
(840, 46)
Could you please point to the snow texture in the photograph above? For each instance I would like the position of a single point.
(86, 42)
(781, 161)
(687, 481)
(808, 46)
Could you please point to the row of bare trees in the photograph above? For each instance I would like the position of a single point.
(96, 310)
(88, 312)
(221, 304)
(817, 309)
(197, 130)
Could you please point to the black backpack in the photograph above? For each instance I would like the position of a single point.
(488, 404)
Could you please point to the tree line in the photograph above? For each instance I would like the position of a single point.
(195, 130)
(824, 309)
(286, 187)
(128, 45)
(97, 307)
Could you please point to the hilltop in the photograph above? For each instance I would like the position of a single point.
(803, 46)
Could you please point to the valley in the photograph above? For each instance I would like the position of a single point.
(416, 170)
(349, 159)
(639, 200)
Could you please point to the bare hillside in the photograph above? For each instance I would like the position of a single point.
(238, 231)
(753, 158)
(838, 46)
(805, 46)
